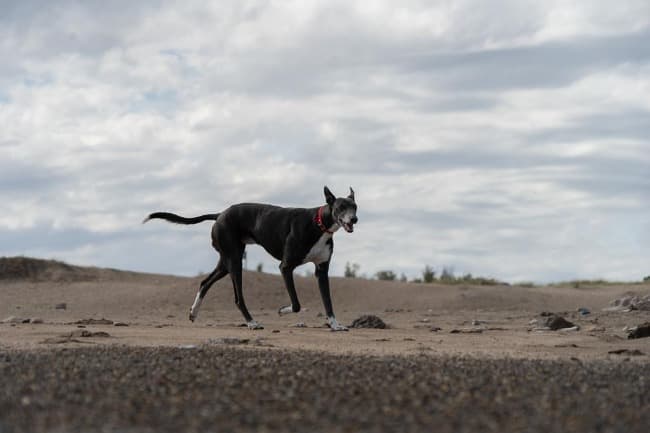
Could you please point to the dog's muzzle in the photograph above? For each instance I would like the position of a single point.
(349, 227)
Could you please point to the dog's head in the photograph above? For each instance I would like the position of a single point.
(344, 209)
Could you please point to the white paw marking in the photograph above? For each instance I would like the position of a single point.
(254, 325)
(285, 310)
(194, 309)
(335, 325)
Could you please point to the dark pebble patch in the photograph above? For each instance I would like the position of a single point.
(216, 388)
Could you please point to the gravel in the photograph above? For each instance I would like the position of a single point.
(223, 388)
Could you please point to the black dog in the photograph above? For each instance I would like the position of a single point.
(292, 235)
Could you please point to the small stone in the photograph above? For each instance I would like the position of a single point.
(91, 321)
(298, 325)
(555, 322)
(13, 319)
(61, 306)
(571, 329)
(35, 320)
(478, 322)
(368, 321)
(187, 346)
(276, 331)
(435, 329)
(229, 340)
(640, 331)
(466, 331)
(120, 324)
(631, 352)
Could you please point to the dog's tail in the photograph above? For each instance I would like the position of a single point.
(173, 218)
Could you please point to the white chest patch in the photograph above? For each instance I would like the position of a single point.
(321, 251)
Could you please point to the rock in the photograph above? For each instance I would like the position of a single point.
(466, 331)
(640, 331)
(101, 321)
(276, 331)
(229, 340)
(478, 322)
(629, 303)
(61, 306)
(571, 329)
(35, 320)
(298, 325)
(583, 311)
(13, 319)
(631, 352)
(555, 322)
(435, 329)
(120, 324)
(83, 333)
(368, 321)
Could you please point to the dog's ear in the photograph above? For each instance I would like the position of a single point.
(351, 196)
(329, 197)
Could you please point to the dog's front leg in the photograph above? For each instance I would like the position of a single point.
(322, 273)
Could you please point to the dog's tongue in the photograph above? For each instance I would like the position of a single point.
(348, 228)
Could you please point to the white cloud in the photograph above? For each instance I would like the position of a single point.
(489, 136)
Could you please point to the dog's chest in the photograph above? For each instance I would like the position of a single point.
(321, 251)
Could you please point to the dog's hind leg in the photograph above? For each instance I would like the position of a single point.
(235, 268)
(219, 272)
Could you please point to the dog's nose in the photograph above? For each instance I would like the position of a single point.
(354, 220)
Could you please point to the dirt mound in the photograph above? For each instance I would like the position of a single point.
(26, 268)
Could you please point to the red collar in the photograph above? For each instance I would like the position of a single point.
(318, 219)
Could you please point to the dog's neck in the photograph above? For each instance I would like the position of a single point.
(325, 221)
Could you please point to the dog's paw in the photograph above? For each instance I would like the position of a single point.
(285, 310)
(254, 325)
(335, 325)
(192, 316)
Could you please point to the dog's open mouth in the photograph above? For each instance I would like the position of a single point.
(348, 227)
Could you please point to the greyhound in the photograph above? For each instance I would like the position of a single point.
(292, 235)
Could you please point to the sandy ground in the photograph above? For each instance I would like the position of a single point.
(155, 308)
(486, 368)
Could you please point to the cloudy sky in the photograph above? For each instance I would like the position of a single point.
(508, 139)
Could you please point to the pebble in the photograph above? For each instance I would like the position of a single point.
(298, 325)
(640, 331)
(555, 322)
(368, 321)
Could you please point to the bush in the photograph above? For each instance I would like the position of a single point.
(386, 275)
(428, 274)
(351, 270)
